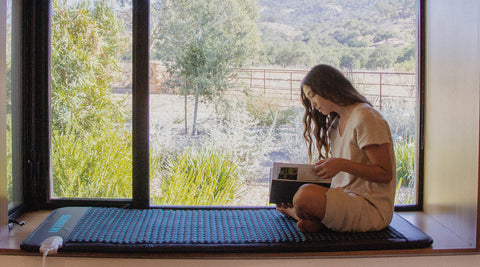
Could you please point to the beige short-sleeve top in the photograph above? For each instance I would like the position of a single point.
(365, 126)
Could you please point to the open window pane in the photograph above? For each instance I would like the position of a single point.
(14, 176)
(10, 189)
(91, 135)
(224, 89)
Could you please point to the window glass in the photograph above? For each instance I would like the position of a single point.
(9, 109)
(14, 183)
(224, 89)
(91, 135)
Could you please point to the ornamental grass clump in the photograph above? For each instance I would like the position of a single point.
(197, 177)
(92, 164)
(405, 163)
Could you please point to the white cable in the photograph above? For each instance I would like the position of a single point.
(50, 245)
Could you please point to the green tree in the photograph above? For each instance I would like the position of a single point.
(383, 36)
(347, 62)
(407, 54)
(91, 147)
(86, 44)
(382, 57)
(202, 42)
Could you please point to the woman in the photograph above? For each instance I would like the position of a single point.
(355, 150)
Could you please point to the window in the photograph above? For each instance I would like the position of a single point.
(219, 100)
(91, 134)
(14, 115)
(10, 189)
(253, 119)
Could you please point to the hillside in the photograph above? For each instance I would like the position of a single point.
(304, 12)
(342, 30)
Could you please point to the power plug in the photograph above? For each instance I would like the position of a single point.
(51, 245)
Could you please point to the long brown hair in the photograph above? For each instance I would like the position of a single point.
(331, 84)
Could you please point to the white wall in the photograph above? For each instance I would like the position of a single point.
(452, 114)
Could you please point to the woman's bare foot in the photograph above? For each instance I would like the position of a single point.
(287, 210)
(309, 226)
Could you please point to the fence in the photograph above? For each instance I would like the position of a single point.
(284, 85)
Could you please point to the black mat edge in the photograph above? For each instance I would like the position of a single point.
(66, 220)
(415, 237)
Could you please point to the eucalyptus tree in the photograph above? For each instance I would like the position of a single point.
(203, 42)
(91, 142)
(87, 42)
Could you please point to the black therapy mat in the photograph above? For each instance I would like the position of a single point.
(207, 230)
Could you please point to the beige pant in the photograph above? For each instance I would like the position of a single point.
(347, 212)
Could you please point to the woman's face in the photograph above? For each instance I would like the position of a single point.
(319, 103)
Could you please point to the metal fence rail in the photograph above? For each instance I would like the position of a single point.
(284, 84)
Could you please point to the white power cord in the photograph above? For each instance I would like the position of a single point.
(50, 245)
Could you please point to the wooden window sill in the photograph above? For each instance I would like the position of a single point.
(444, 241)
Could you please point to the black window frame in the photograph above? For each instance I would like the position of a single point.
(36, 116)
(36, 146)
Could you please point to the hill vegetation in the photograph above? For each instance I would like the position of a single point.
(363, 34)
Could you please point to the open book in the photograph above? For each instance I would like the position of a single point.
(286, 178)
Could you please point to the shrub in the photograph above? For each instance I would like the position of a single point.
(92, 164)
(204, 177)
(268, 112)
(405, 157)
(239, 134)
(9, 160)
(405, 164)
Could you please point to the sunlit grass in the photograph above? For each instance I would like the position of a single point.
(92, 164)
(405, 164)
(197, 177)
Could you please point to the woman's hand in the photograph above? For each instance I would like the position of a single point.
(328, 168)
(379, 170)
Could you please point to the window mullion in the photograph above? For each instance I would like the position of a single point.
(36, 148)
(140, 90)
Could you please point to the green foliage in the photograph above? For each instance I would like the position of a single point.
(405, 163)
(383, 35)
(203, 42)
(405, 157)
(91, 147)
(197, 177)
(396, 9)
(238, 131)
(381, 58)
(9, 160)
(93, 164)
(86, 44)
(408, 54)
(291, 54)
(335, 32)
(267, 112)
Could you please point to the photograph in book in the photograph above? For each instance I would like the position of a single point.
(286, 178)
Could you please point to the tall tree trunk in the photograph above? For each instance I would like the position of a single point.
(195, 111)
(186, 93)
(186, 123)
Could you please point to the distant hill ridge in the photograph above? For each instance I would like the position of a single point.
(302, 12)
